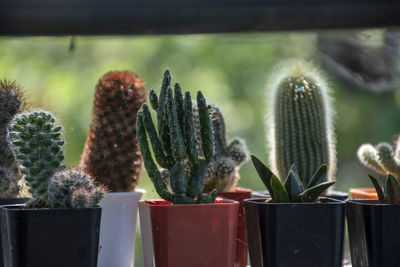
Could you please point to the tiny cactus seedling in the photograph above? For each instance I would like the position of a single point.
(389, 193)
(223, 171)
(174, 145)
(111, 152)
(381, 158)
(36, 141)
(299, 121)
(12, 101)
(293, 190)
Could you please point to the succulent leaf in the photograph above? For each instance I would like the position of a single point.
(280, 193)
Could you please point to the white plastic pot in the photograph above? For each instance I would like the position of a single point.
(118, 229)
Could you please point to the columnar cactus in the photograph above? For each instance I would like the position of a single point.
(381, 158)
(11, 102)
(174, 145)
(111, 152)
(299, 121)
(223, 171)
(37, 142)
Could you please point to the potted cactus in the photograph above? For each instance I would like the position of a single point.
(112, 157)
(373, 226)
(300, 122)
(188, 227)
(223, 172)
(382, 160)
(59, 226)
(12, 101)
(295, 227)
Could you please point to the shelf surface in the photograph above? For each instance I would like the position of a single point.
(108, 17)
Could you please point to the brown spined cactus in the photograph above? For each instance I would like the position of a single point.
(12, 101)
(111, 154)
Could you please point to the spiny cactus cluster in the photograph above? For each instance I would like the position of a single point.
(11, 102)
(174, 145)
(293, 189)
(111, 152)
(223, 171)
(37, 141)
(381, 158)
(299, 121)
(389, 193)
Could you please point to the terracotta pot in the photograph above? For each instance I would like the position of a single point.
(363, 193)
(295, 234)
(239, 195)
(198, 235)
(373, 233)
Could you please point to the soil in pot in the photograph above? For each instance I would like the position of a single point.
(50, 237)
(295, 234)
(373, 233)
(195, 235)
(239, 195)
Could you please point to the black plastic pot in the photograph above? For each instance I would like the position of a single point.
(374, 233)
(295, 234)
(50, 237)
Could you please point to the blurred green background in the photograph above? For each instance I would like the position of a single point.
(231, 69)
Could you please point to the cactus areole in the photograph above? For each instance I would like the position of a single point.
(299, 121)
(174, 142)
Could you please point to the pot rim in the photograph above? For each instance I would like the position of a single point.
(221, 202)
(20, 207)
(329, 201)
(370, 202)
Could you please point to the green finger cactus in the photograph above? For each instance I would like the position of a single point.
(299, 121)
(223, 171)
(12, 101)
(111, 154)
(381, 158)
(174, 145)
(37, 143)
(37, 140)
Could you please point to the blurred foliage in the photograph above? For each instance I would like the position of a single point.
(231, 69)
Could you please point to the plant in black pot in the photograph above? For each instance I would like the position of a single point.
(12, 101)
(373, 226)
(188, 227)
(295, 227)
(59, 226)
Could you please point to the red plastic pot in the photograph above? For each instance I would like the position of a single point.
(241, 239)
(198, 235)
(363, 193)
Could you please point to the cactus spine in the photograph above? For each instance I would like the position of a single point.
(299, 121)
(37, 142)
(11, 102)
(174, 146)
(111, 152)
(223, 171)
(381, 158)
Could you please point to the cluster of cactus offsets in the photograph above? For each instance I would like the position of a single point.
(381, 158)
(299, 121)
(36, 141)
(111, 152)
(73, 189)
(174, 145)
(223, 171)
(293, 190)
(11, 102)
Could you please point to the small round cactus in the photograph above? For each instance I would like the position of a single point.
(36, 141)
(8, 184)
(299, 121)
(73, 189)
(111, 152)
